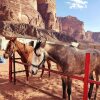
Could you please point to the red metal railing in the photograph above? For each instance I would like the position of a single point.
(10, 69)
(86, 77)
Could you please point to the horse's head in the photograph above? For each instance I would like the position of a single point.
(38, 57)
(10, 48)
(37, 63)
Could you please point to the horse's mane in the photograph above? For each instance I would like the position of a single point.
(22, 29)
(57, 35)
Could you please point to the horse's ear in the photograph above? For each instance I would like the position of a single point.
(13, 38)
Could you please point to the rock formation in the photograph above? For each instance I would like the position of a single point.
(47, 9)
(21, 11)
(40, 13)
(96, 36)
(72, 26)
(93, 36)
(88, 35)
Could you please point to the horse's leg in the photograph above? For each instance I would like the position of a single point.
(49, 66)
(91, 87)
(97, 87)
(27, 72)
(64, 87)
(69, 83)
(42, 71)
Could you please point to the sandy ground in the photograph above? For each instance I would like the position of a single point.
(37, 89)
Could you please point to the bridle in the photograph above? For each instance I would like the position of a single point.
(41, 63)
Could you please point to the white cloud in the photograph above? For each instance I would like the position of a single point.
(77, 4)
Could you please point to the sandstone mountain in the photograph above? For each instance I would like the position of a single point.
(72, 26)
(93, 36)
(47, 9)
(40, 13)
(96, 36)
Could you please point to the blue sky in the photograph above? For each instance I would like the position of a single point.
(87, 11)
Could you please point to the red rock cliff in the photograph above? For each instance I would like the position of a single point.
(47, 9)
(93, 36)
(40, 13)
(72, 26)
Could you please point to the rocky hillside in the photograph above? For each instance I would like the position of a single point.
(93, 36)
(72, 26)
(96, 36)
(47, 9)
(20, 11)
(40, 13)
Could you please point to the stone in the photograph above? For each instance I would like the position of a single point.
(93, 36)
(21, 11)
(47, 9)
(72, 26)
(40, 13)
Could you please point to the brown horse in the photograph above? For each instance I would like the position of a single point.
(71, 61)
(25, 52)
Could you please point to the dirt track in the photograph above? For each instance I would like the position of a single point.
(37, 89)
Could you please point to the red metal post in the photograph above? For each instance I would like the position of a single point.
(14, 68)
(86, 77)
(10, 69)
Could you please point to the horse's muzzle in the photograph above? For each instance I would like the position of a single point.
(34, 71)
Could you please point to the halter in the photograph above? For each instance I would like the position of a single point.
(41, 63)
